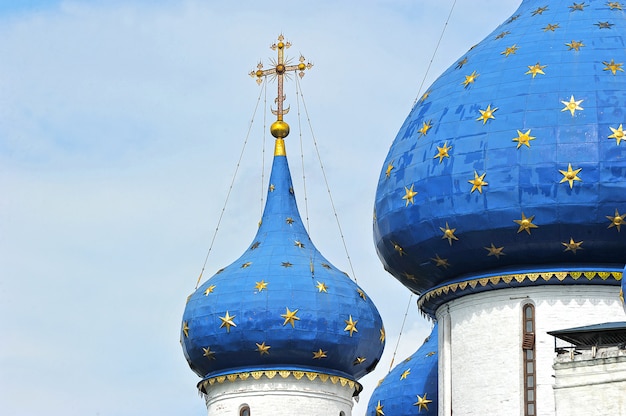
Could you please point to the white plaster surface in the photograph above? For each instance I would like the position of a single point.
(280, 397)
(591, 385)
(483, 366)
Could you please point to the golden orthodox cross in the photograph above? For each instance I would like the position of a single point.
(279, 69)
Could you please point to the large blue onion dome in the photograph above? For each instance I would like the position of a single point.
(411, 387)
(282, 305)
(514, 158)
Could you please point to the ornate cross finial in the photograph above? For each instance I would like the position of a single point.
(279, 128)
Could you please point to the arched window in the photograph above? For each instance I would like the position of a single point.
(244, 410)
(528, 351)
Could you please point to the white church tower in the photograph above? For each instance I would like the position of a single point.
(281, 331)
(501, 203)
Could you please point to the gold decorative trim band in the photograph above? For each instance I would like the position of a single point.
(507, 279)
(204, 385)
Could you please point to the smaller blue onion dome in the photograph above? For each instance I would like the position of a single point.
(411, 387)
(281, 305)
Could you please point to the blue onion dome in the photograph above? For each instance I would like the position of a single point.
(515, 155)
(282, 305)
(411, 387)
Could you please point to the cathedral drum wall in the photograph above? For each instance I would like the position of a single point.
(484, 364)
(284, 397)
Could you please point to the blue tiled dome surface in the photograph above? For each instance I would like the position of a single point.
(281, 273)
(527, 72)
(411, 387)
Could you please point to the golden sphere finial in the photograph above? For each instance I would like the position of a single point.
(279, 129)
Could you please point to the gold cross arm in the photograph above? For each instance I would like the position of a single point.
(279, 69)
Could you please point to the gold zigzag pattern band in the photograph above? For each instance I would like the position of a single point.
(204, 385)
(518, 278)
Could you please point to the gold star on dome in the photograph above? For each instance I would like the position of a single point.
(431, 353)
(255, 245)
(426, 125)
(319, 354)
(470, 79)
(350, 325)
(614, 5)
(495, 251)
(462, 62)
(227, 321)
(379, 409)
(572, 105)
(290, 317)
(422, 403)
(613, 67)
(439, 262)
(523, 138)
(186, 329)
(322, 287)
(617, 220)
(298, 244)
(604, 25)
(525, 224)
(289, 220)
(326, 266)
(405, 374)
(448, 233)
(486, 114)
(503, 34)
(390, 167)
(361, 294)
(209, 289)
(286, 264)
(618, 134)
(397, 248)
(409, 194)
(409, 276)
(539, 10)
(208, 353)
(510, 50)
(382, 335)
(442, 152)
(260, 286)
(425, 96)
(574, 45)
(570, 175)
(578, 6)
(572, 245)
(513, 18)
(551, 27)
(272, 187)
(358, 360)
(262, 348)
(478, 182)
(535, 69)
(246, 265)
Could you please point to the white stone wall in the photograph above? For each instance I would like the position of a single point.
(280, 397)
(483, 364)
(591, 386)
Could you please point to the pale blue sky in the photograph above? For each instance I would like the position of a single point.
(121, 123)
